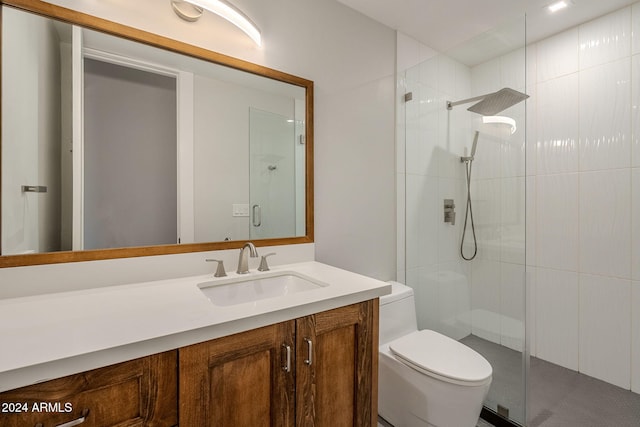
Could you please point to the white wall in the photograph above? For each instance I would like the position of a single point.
(587, 198)
(583, 196)
(30, 220)
(221, 153)
(351, 60)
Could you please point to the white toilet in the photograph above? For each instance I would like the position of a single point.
(426, 378)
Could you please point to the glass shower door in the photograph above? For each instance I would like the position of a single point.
(272, 171)
(481, 301)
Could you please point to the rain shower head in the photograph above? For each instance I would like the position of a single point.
(492, 103)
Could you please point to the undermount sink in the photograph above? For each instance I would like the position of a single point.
(255, 288)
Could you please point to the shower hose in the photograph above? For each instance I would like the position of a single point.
(468, 214)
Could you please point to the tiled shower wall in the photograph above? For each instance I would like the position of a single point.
(582, 181)
(583, 197)
(433, 173)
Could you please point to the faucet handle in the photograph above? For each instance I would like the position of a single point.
(220, 270)
(263, 262)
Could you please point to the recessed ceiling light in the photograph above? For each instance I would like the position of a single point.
(556, 6)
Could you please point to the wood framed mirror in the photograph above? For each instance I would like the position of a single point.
(225, 178)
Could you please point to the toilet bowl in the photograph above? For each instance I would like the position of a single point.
(425, 378)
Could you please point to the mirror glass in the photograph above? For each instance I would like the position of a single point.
(113, 143)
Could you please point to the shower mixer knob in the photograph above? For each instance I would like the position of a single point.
(449, 211)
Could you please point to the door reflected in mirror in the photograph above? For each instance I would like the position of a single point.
(113, 143)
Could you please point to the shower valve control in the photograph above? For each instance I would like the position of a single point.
(449, 211)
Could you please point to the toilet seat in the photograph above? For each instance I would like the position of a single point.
(439, 356)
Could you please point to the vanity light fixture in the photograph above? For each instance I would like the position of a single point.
(192, 10)
(504, 120)
(556, 6)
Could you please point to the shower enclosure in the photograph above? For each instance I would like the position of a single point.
(551, 296)
(465, 227)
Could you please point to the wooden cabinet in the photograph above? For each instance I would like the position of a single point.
(315, 371)
(319, 370)
(141, 392)
(238, 380)
(337, 366)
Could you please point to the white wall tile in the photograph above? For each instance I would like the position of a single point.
(447, 75)
(421, 139)
(513, 223)
(453, 289)
(605, 223)
(605, 328)
(557, 317)
(531, 76)
(463, 81)
(449, 235)
(426, 297)
(512, 157)
(635, 225)
(635, 110)
(635, 28)
(486, 198)
(531, 219)
(558, 55)
(558, 124)
(532, 130)
(512, 305)
(488, 159)
(605, 39)
(605, 116)
(427, 72)
(454, 142)
(400, 227)
(422, 223)
(635, 336)
(485, 299)
(557, 221)
(485, 78)
(531, 316)
(513, 70)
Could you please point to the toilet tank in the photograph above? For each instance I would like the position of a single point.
(397, 313)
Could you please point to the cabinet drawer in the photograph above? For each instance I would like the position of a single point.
(141, 392)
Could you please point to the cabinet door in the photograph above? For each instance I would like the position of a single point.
(141, 392)
(337, 367)
(239, 381)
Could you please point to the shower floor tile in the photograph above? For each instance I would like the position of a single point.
(559, 397)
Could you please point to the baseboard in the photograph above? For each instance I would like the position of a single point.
(495, 419)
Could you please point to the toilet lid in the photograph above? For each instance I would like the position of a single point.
(433, 353)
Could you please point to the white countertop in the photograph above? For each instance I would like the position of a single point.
(49, 336)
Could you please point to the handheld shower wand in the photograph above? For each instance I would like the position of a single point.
(468, 161)
(473, 150)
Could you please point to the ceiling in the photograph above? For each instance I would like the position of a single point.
(445, 24)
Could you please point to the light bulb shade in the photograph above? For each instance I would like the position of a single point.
(233, 15)
(558, 5)
(503, 120)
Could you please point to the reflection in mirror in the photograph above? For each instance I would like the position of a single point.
(111, 143)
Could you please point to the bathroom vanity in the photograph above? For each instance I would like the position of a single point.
(307, 357)
(296, 345)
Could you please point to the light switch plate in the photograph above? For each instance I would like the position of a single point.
(241, 209)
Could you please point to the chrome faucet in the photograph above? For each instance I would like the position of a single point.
(243, 260)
